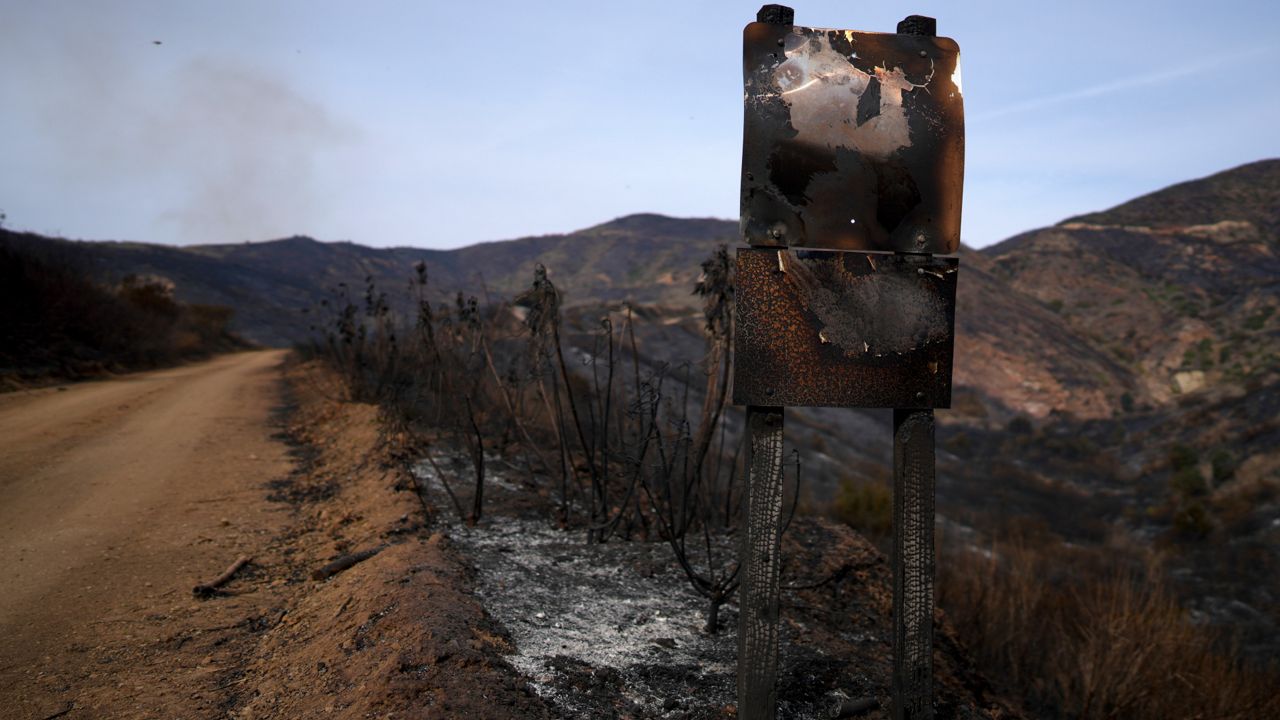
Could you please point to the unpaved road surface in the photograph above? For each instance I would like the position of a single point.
(116, 497)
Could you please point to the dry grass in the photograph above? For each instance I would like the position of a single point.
(1079, 637)
(865, 504)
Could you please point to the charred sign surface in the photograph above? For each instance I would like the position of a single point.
(848, 329)
(852, 140)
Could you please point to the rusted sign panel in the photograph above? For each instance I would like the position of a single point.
(849, 329)
(853, 140)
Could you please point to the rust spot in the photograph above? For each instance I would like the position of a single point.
(841, 329)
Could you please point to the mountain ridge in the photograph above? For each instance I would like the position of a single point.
(1093, 314)
(1248, 192)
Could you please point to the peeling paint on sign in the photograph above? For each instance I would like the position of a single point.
(833, 96)
(853, 140)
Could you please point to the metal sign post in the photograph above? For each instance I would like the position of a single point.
(852, 172)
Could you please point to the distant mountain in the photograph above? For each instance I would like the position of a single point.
(1179, 287)
(1249, 193)
(1163, 295)
(644, 258)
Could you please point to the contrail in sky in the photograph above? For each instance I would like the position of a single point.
(1127, 83)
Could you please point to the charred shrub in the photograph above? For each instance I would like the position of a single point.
(60, 322)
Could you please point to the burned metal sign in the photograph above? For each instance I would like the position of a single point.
(848, 329)
(852, 172)
(852, 140)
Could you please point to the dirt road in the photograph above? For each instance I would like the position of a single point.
(115, 498)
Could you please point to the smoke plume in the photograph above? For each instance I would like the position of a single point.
(211, 149)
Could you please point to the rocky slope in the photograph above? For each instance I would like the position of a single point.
(1178, 291)
(1179, 287)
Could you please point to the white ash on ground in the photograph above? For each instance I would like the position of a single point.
(573, 608)
(605, 630)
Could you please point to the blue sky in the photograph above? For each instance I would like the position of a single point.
(441, 124)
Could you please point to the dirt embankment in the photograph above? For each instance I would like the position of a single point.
(116, 498)
(398, 635)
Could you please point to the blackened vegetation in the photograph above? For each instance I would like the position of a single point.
(622, 445)
(57, 323)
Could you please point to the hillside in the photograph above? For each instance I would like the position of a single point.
(1179, 287)
(57, 323)
(1130, 308)
(1178, 291)
(273, 285)
(1248, 193)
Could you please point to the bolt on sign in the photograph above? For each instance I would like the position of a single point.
(852, 176)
